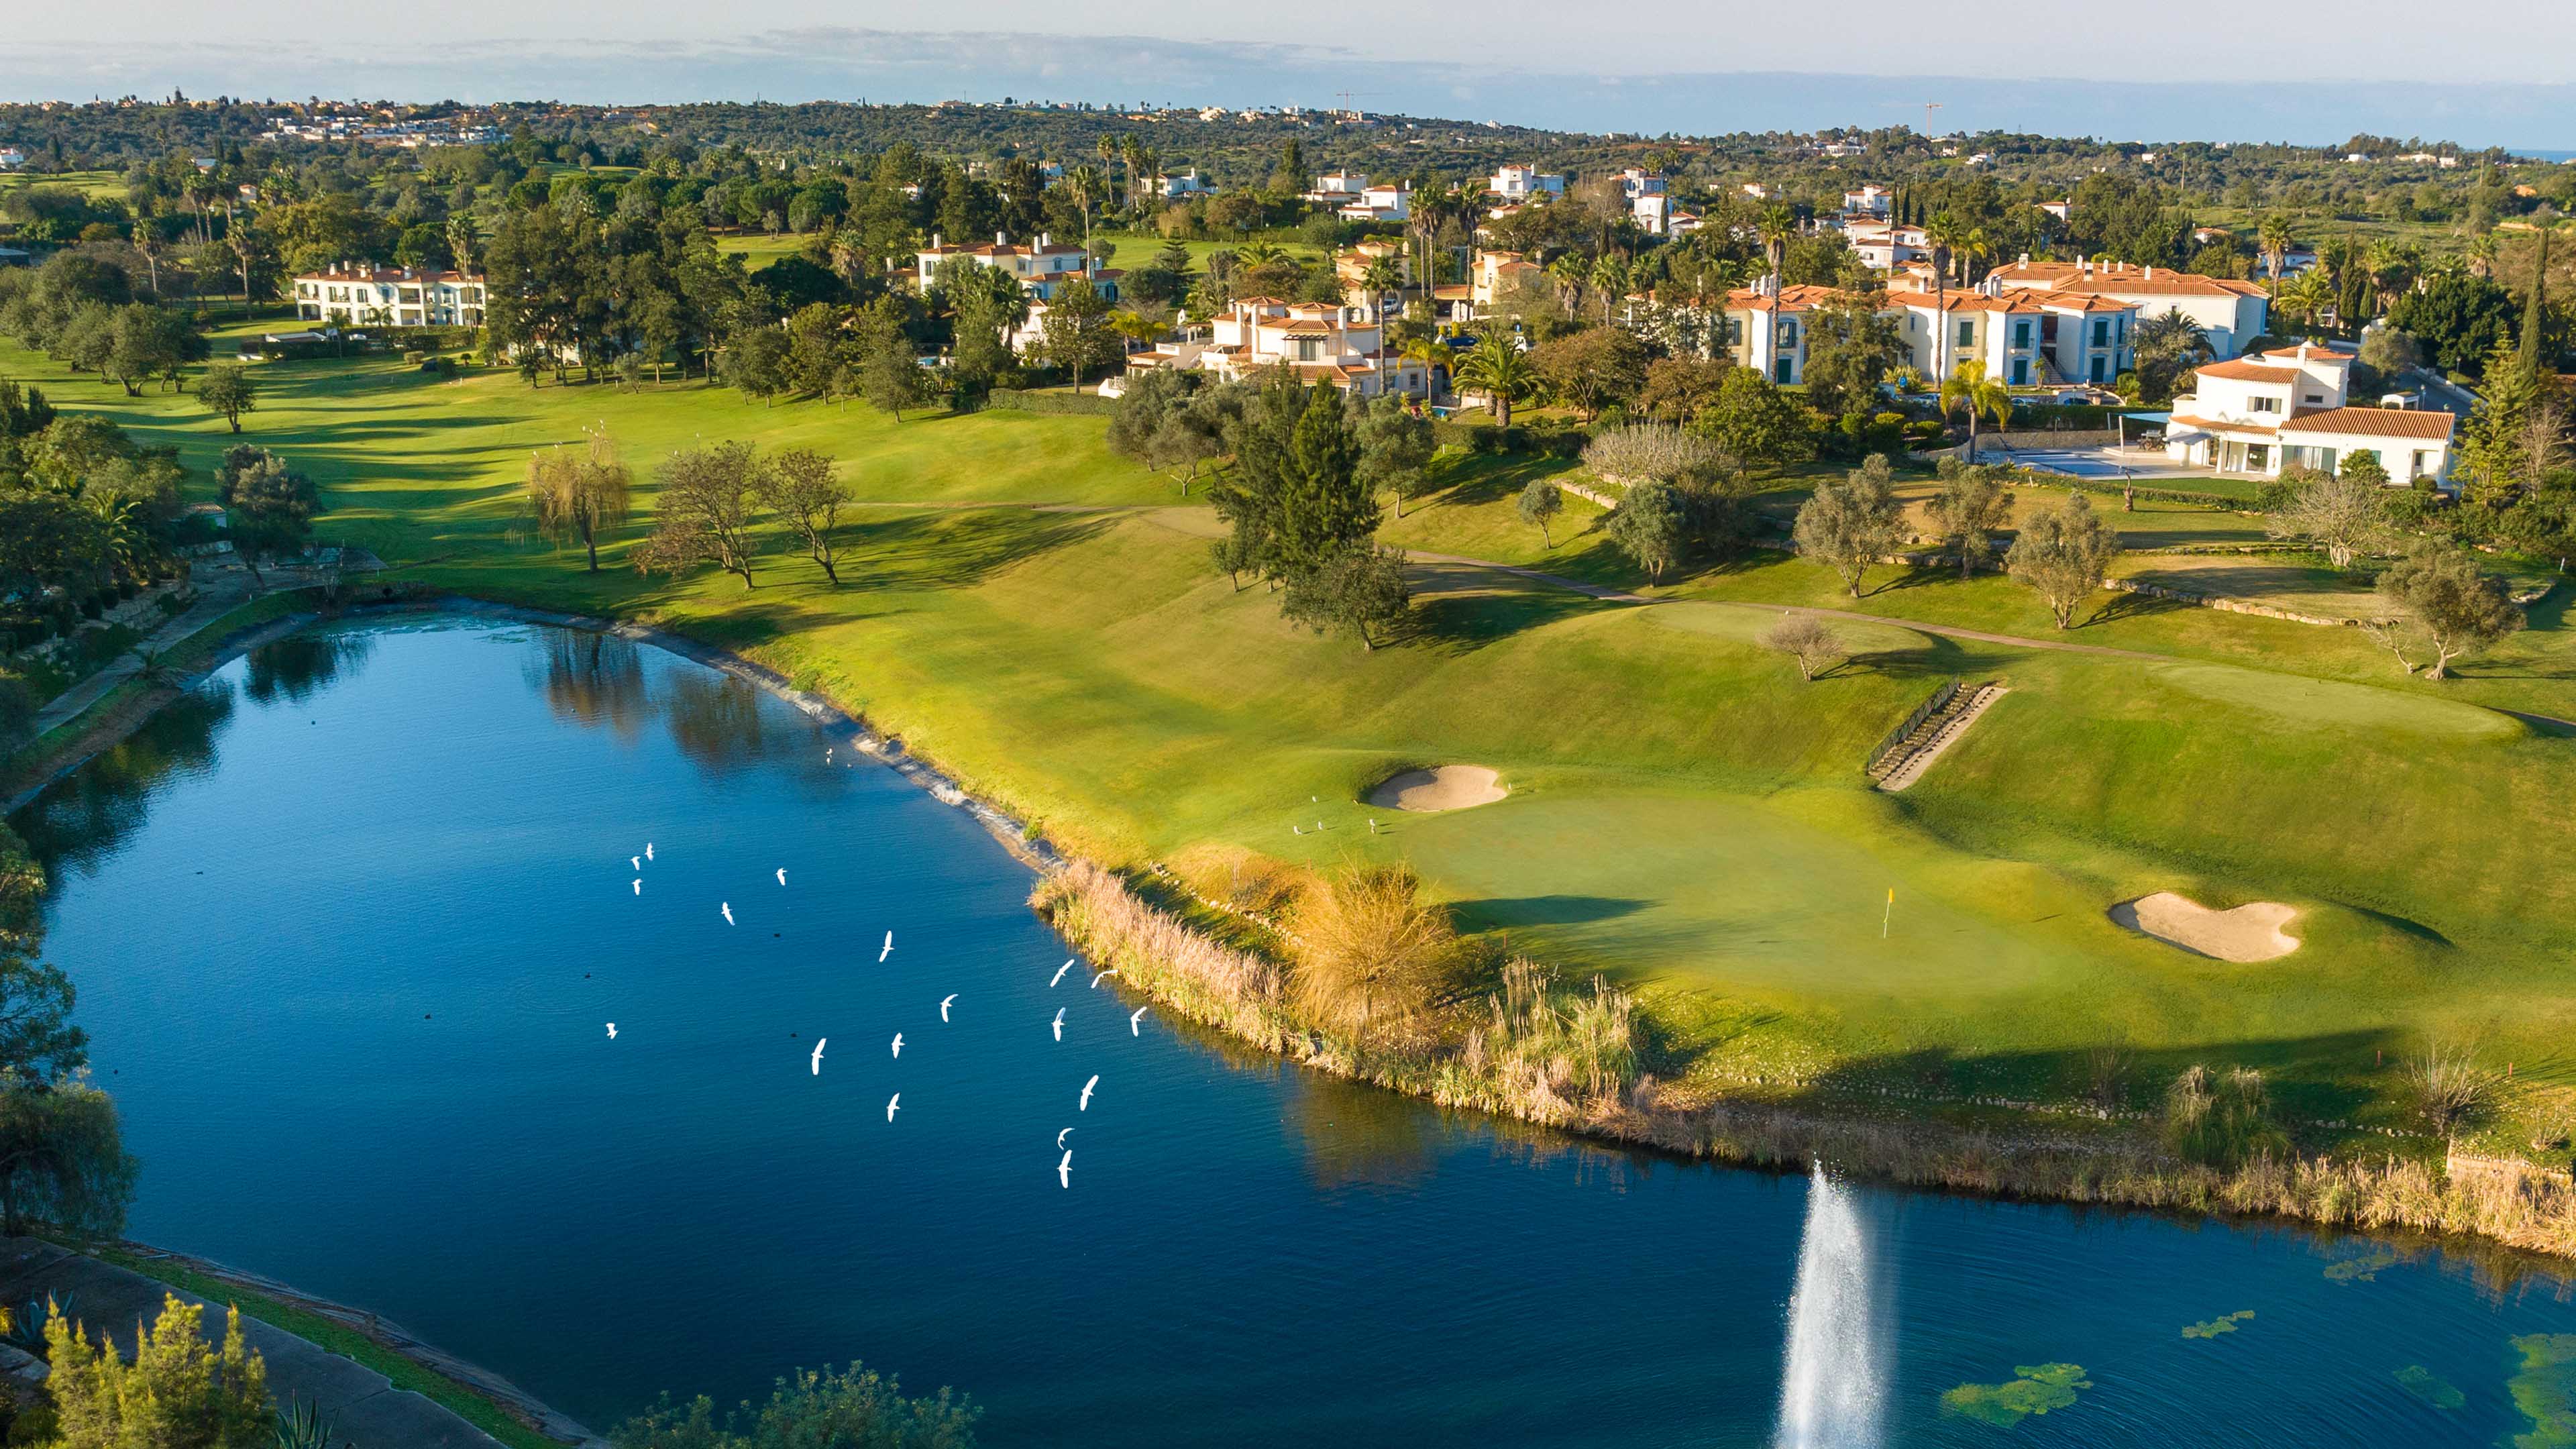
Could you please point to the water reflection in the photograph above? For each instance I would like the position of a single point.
(298, 666)
(86, 816)
(593, 679)
(1355, 1136)
(714, 719)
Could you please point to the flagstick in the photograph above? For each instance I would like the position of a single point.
(1888, 915)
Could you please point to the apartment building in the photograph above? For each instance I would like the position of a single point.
(371, 296)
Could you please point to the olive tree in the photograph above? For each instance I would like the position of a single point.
(2063, 552)
(710, 497)
(1850, 525)
(1972, 504)
(1540, 503)
(2343, 515)
(2438, 591)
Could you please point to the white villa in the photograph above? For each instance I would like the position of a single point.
(1041, 267)
(1521, 183)
(2287, 409)
(1320, 341)
(2230, 313)
(368, 296)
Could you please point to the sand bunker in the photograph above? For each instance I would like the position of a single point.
(1450, 787)
(2251, 932)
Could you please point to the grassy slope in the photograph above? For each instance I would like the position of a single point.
(1686, 815)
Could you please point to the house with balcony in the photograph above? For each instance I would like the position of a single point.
(371, 296)
(1041, 267)
(2288, 408)
(1319, 342)
(1518, 182)
(2230, 313)
(2025, 339)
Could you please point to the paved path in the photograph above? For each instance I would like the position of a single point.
(369, 1411)
(1913, 766)
(213, 602)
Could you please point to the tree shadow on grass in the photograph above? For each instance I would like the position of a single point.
(1509, 913)
(2134, 606)
(1459, 608)
(960, 548)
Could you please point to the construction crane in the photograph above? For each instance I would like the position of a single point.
(1346, 97)
(1928, 108)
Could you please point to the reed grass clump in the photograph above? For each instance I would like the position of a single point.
(2451, 1089)
(1373, 959)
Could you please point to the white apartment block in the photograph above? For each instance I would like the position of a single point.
(2287, 408)
(1320, 342)
(362, 296)
(2025, 339)
(2230, 313)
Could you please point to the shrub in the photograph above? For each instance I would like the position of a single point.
(1658, 451)
(1088, 404)
(1808, 640)
(2221, 1121)
(1372, 957)
(2451, 1089)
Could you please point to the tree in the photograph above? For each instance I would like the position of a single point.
(1540, 503)
(1850, 525)
(1851, 348)
(1808, 640)
(1323, 506)
(1753, 419)
(1652, 526)
(2342, 515)
(2272, 238)
(1076, 332)
(757, 364)
(2168, 346)
(705, 511)
(1591, 368)
(2438, 590)
(2461, 320)
(1497, 367)
(890, 375)
(178, 1392)
(269, 506)
(1396, 448)
(852, 1409)
(1360, 590)
(578, 496)
(227, 391)
(1678, 389)
(1371, 955)
(1968, 386)
(798, 484)
(1972, 504)
(987, 305)
(2063, 552)
(144, 341)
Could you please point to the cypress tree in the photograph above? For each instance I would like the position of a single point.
(1323, 507)
(2535, 307)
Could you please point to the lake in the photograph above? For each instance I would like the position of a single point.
(349, 923)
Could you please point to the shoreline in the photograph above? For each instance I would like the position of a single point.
(2527, 1217)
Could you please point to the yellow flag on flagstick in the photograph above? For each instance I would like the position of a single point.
(1888, 915)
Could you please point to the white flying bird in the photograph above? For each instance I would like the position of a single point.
(648, 850)
(818, 1054)
(889, 945)
(782, 875)
(639, 885)
(1086, 1092)
(943, 1005)
(1059, 974)
(636, 861)
(890, 1105)
(612, 1031)
(1131, 1022)
(724, 906)
(898, 1043)
(1103, 976)
(1064, 1169)
(1059, 1023)
(1059, 1137)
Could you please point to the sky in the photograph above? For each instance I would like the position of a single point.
(2501, 72)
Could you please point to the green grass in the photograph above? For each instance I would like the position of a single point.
(337, 1338)
(1687, 816)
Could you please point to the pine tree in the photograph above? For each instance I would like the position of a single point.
(1323, 506)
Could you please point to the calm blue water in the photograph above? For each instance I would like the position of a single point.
(349, 926)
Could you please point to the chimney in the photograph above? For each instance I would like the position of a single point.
(936, 242)
(1046, 238)
(2151, 274)
(1001, 239)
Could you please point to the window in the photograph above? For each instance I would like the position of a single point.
(2021, 336)
(2423, 464)
(2263, 404)
(2101, 331)
(2258, 457)
(2124, 327)
(2317, 398)
(1967, 332)
(1788, 333)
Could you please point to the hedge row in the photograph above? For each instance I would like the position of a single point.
(2230, 501)
(1479, 438)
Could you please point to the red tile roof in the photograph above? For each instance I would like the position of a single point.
(2374, 423)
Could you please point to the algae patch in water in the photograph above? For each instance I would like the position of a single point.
(2364, 1269)
(2038, 1389)
(2545, 1390)
(2217, 1326)
(2424, 1384)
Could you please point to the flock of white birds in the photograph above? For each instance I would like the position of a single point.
(894, 1104)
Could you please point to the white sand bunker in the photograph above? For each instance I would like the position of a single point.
(1449, 787)
(2251, 932)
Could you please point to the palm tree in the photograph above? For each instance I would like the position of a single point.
(1134, 152)
(1941, 235)
(1499, 370)
(1259, 252)
(1108, 148)
(2482, 255)
(1776, 227)
(1089, 185)
(1139, 329)
(1610, 278)
(2308, 296)
(1383, 275)
(2272, 237)
(464, 240)
(1571, 274)
(1431, 355)
(1974, 249)
(2172, 341)
(1983, 396)
(2390, 268)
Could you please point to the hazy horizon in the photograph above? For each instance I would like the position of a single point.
(850, 64)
